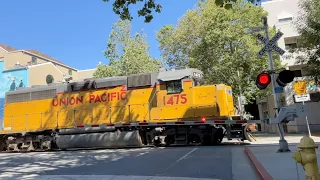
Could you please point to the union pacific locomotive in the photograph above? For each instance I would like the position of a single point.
(159, 108)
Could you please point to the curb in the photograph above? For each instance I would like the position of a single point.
(262, 172)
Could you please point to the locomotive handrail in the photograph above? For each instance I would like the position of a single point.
(149, 107)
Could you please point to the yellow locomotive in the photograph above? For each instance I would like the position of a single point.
(159, 108)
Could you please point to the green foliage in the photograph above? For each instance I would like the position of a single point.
(308, 26)
(214, 40)
(121, 7)
(127, 55)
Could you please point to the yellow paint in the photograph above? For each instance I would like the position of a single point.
(214, 101)
(300, 87)
(307, 157)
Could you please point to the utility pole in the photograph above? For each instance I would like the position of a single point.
(284, 147)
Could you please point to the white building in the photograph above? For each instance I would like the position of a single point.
(281, 15)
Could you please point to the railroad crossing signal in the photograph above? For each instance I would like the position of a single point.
(270, 45)
(263, 80)
(284, 77)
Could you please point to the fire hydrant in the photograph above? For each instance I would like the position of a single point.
(307, 157)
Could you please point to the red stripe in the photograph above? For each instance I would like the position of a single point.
(143, 124)
(187, 80)
(219, 122)
(127, 124)
(80, 126)
(110, 124)
(241, 121)
(263, 173)
(179, 122)
(95, 125)
(199, 122)
(103, 88)
(161, 123)
(123, 88)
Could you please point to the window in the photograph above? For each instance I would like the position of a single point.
(297, 73)
(70, 72)
(291, 46)
(49, 79)
(34, 60)
(174, 86)
(285, 19)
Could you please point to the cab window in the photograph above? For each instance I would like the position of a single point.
(174, 86)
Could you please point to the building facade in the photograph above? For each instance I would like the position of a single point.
(282, 15)
(26, 68)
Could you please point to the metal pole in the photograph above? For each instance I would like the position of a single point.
(239, 99)
(282, 142)
(307, 120)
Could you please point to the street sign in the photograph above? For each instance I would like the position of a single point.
(300, 87)
(302, 98)
(255, 29)
(278, 90)
(270, 45)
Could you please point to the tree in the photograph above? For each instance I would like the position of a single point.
(121, 7)
(308, 25)
(127, 55)
(214, 40)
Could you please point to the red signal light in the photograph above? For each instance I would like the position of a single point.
(203, 119)
(263, 80)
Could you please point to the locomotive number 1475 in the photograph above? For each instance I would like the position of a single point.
(175, 99)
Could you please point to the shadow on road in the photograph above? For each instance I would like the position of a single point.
(29, 165)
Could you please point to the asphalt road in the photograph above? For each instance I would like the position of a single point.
(175, 163)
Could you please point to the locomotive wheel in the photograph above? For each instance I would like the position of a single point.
(3, 146)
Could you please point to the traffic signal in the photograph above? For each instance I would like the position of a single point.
(285, 77)
(263, 80)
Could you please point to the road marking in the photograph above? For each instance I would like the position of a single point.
(186, 155)
(180, 159)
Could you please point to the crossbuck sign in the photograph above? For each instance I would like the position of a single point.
(270, 45)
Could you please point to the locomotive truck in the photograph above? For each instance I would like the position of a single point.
(159, 109)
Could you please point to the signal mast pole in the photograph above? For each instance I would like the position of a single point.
(284, 147)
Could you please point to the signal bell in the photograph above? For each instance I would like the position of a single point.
(263, 80)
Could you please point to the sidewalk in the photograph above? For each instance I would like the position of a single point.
(278, 166)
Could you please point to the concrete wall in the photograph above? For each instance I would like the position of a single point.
(12, 58)
(38, 73)
(25, 59)
(2, 52)
(9, 81)
(85, 74)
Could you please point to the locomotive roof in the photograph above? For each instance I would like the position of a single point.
(131, 81)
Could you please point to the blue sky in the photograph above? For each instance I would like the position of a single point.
(73, 31)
